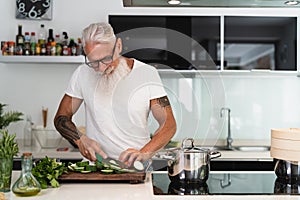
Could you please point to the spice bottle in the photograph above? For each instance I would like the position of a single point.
(26, 185)
(11, 48)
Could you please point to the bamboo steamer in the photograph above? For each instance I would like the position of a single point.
(285, 144)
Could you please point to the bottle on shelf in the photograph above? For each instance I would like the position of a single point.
(20, 37)
(58, 45)
(19, 41)
(43, 49)
(38, 49)
(42, 34)
(32, 44)
(27, 44)
(50, 36)
(26, 184)
(27, 132)
(79, 49)
(11, 48)
(53, 48)
(72, 47)
(64, 43)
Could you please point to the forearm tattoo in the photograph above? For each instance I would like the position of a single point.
(163, 101)
(67, 129)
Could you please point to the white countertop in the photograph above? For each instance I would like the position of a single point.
(69, 152)
(124, 191)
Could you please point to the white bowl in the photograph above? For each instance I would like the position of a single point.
(47, 138)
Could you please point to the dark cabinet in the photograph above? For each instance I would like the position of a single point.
(178, 42)
(194, 42)
(260, 43)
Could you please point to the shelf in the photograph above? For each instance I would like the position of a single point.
(213, 73)
(42, 59)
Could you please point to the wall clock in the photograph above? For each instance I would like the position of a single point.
(34, 9)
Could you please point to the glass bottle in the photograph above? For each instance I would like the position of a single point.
(20, 37)
(42, 34)
(27, 132)
(50, 36)
(26, 185)
(32, 44)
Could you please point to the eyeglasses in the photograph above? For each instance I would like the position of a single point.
(106, 60)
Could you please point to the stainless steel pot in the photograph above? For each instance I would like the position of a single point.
(288, 171)
(190, 163)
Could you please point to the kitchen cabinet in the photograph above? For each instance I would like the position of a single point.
(219, 43)
(170, 41)
(260, 43)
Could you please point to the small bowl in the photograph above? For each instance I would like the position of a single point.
(47, 138)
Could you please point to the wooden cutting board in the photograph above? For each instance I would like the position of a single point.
(97, 176)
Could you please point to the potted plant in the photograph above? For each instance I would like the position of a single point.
(8, 147)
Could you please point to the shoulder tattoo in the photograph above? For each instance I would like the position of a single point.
(163, 101)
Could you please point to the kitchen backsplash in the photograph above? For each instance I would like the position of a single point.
(258, 103)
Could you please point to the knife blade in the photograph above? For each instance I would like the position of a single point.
(111, 161)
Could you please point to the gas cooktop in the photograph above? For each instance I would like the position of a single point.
(232, 183)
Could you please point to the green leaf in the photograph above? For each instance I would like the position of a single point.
(47, 171)
(8, 117)
(8, 146)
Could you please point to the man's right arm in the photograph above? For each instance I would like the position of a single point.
(63, 119)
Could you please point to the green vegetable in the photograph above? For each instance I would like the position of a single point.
(8, 117)
(82, 164)
(47, 172)
(104, 168)
(8, 146)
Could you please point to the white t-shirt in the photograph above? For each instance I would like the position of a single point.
(118, 122)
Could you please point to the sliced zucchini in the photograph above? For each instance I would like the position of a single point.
(85, 171)
(113, 162)
(115, 167)
(71, 168)
(127, 170)
(78, 169)
(107, 171)
(138, 165)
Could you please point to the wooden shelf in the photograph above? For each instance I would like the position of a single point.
(42, 59)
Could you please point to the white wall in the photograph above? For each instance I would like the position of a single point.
(29, 87)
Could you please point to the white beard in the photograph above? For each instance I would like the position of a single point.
(112, 75)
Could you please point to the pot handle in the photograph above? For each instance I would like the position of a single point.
(184, 145)
(214, 154)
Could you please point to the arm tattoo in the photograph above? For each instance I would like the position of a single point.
(67, 129)
(163, 101)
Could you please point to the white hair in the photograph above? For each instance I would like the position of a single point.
(98, 33)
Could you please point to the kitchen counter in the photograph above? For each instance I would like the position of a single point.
(66, 151)
(117, 191)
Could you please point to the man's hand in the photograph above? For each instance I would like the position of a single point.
(88, 147)
(130, 155)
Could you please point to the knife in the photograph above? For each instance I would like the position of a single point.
(111, 161)
(137, 166)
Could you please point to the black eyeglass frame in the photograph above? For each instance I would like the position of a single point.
(106, 60)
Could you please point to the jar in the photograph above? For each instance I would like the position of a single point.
(11, 48)
(26, 185)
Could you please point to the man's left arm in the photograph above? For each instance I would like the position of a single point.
(162, 112)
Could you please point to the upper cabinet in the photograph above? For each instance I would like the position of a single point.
(210, 42)
(178, 42)
(260, 43)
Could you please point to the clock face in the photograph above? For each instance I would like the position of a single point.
(34, 9)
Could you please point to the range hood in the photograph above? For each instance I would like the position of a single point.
(212, 3)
